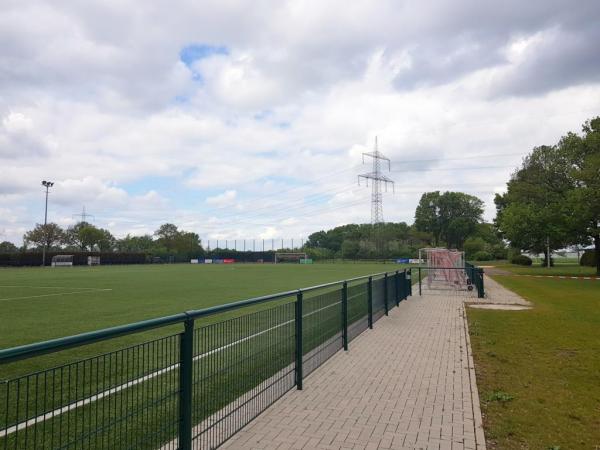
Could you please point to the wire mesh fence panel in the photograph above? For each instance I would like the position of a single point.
(322, 327)
(378, 298)
(123, 399)
(358, 309)
(391, 290)
(241, 366)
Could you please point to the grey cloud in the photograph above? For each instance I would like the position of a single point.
(564, 59)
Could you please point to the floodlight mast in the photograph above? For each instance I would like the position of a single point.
(47, 185)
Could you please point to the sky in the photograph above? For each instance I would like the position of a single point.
(248, 120)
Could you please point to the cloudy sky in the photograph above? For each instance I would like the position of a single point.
(248, 119)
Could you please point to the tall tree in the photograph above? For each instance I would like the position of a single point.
(533, 213)
(583, 154)
(427, 215)
(86, 236)
(451, 216)
(44, 235)
(167, 234)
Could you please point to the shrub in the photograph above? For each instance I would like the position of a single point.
(521, 260)
(482, 256)
(588, 258)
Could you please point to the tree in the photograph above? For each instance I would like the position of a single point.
(167, 234)
(583, 154)
(85, 236)
(533, 214)
(8, 247)
(427, 216)
(44, 235)
(130, 243)
(451, 216)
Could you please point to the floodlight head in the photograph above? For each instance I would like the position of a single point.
(47, 183)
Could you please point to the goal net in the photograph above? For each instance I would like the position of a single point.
(445, 268)
(62, 260)
(290, 258)
(93, 260)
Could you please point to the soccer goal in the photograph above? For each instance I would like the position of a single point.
(445, 269)
(93, 260)
(290, 258)
(62, 260)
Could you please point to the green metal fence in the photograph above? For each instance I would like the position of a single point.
(194, 388)
(475, 274)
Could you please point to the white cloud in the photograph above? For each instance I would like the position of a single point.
(227, 198)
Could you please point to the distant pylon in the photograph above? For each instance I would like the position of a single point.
(84, 215)
(376, 180)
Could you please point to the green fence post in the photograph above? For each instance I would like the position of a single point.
(397, 284)
(345, 315)
(480, 288)
(370, 301)
(385, 294)
(420, 282)
(299, 354)
(186, 362)
(409, 282)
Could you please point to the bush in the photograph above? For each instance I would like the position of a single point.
(588, 258)
(482, 256)
(521, 260)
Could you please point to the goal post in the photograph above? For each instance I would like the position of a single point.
(445, 268)
(299, 258)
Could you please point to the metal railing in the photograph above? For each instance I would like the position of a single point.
(194, 388)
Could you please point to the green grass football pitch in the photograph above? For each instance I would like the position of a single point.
(44, 303)
(40, 304)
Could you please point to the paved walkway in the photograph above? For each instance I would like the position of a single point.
(407, 384)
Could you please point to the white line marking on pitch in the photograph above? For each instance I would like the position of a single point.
(57, 412)
(51, 295)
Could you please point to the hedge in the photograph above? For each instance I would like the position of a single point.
(521, 260)
(588, 258)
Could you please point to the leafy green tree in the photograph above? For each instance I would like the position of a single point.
(451, 216)
(8, 247)
(583, 200)
(44, 235)
(166, 235)
(187, 243)
(143, 243)
(427, 215)
(350, 249)
(73, 237)
(533, 213)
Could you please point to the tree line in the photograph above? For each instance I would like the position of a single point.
(84, 236)
(552, 201)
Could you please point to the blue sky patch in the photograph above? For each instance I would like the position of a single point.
(195, 52)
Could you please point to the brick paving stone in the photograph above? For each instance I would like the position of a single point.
(407, 384)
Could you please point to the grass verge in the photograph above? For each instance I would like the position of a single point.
(538, 371)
